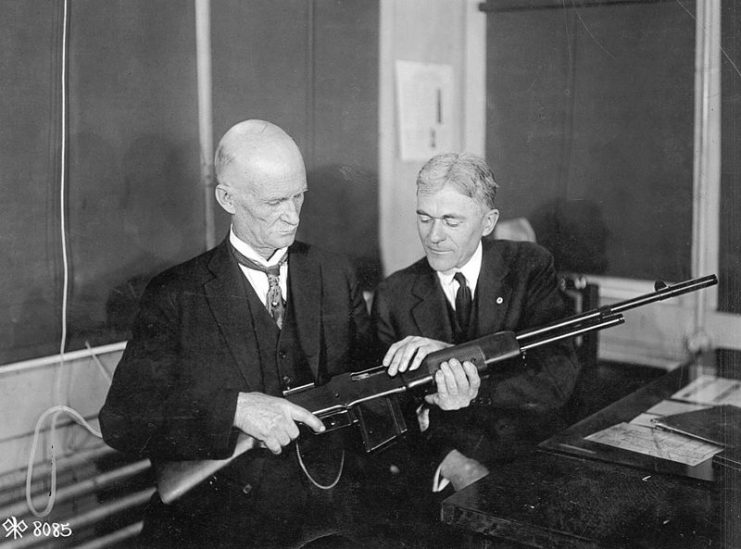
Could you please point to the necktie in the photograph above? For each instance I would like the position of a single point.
(463, 302)
(274, 299)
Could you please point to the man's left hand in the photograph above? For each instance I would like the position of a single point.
(457, 385)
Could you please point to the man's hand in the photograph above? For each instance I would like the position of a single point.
(409, 353)
(457, 385)
(461, 470)
(272, 420)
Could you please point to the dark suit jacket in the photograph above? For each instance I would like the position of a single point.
(193, 349)
(518, 404)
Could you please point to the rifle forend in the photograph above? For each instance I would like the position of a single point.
(334, 401)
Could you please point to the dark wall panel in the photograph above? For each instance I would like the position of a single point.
(29, 159)
(310, 67)
(134, 202)
(590, 132)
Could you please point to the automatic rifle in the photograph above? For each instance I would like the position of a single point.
(337, 403)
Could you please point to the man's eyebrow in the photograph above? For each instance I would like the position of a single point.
(445, 216)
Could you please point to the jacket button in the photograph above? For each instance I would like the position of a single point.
(282, 354)
(246, 489)
(287, 382)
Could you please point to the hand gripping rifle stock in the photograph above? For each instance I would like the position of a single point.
(335, 401)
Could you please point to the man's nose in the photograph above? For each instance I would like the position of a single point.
(291, 212)
(437, 232)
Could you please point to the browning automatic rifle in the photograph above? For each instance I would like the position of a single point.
(336, 402)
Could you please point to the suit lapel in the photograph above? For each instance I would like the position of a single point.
(227, 298)
(305, 284)
(430, 313)
(489, 288)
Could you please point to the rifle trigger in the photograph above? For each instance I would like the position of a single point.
(338, 420)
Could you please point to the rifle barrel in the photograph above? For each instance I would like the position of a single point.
(665, 293)
(606, 322)
(604, 312)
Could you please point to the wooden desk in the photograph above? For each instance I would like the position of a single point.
(577, 494)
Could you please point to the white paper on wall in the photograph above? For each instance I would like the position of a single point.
(425, 101)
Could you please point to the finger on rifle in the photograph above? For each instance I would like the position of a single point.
(450, 378)
(473, 374)
(408, 352)
(442, 389)
(422, 352)
(391, 353)
(307, 418)
(433, 399)
(459, 373)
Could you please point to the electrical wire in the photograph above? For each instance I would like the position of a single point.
(56, 411)
(311, 479)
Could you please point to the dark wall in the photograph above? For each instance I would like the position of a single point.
(134, 203)
(590, 112)
(730, 210)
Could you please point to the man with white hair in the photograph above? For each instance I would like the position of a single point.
(217, 341)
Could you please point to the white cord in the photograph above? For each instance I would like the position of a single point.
(62, 187)
(311, 479)
(56, 410)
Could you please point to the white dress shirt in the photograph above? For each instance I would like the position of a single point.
(470, 270)
(259, 280)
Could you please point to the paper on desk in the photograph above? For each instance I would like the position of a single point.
(656, 443)
(665, 408)
(711, 390)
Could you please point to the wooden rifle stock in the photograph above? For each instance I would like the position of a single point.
(333, 401)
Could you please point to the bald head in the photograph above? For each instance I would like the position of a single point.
(255, 148)
(261, 183)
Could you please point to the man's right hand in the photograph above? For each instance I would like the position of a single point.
(272, 420)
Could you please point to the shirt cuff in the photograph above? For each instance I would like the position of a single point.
(439, 482)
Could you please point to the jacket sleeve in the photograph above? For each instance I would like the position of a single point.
(155, 407)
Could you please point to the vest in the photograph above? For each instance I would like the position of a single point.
(283, 364)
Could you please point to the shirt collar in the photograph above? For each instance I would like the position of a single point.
(247, 250)
(470, 270)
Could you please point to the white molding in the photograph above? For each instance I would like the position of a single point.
(59, 359)
(473, 93)
(706, 173)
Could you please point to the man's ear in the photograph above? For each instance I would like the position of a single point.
(490, 221)
(224, 198)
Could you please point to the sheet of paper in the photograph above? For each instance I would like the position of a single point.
(656, 443)
(711, 390)
(665, 408)
(425, 99)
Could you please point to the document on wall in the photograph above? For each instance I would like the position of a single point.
(711, 390)
(425, 100)
(656, 443)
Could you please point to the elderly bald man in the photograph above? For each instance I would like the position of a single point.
(217, 341)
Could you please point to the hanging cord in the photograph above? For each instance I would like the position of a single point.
(311, 479)
(56, 411)
(62, 203)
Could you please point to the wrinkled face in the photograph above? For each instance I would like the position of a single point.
(450, 226)
(265, 203)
